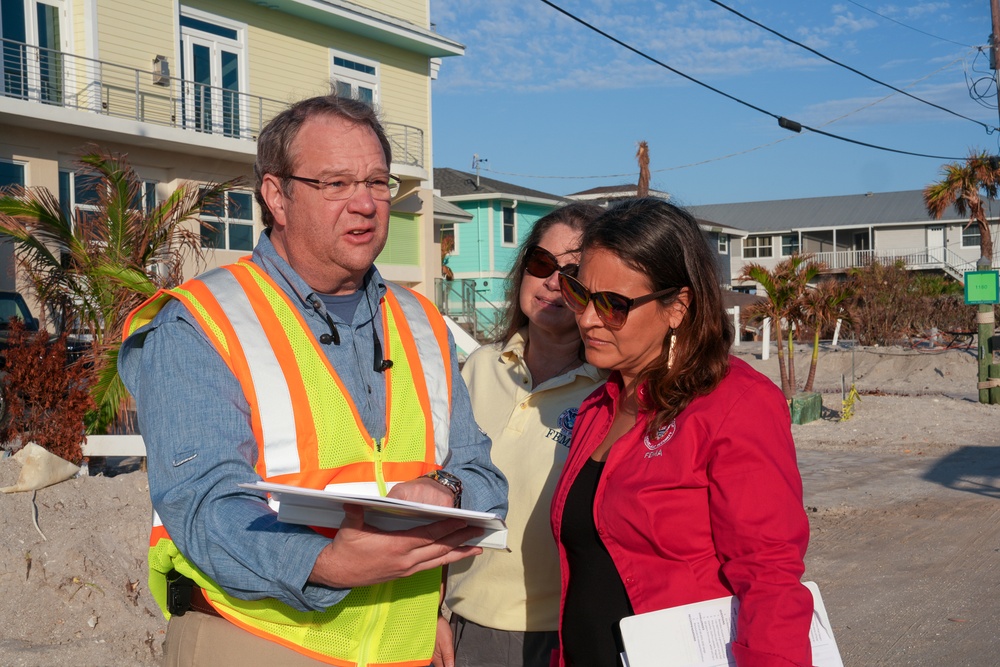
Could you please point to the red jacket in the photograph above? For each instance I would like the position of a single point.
(710, 507)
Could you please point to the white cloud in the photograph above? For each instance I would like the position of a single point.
(536, 48)
(896, 109)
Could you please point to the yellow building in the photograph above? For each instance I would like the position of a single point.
(183, 87)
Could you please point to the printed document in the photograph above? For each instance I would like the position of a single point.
(700, 635)
(325, 508)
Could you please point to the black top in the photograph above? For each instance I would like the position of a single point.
(595, 599)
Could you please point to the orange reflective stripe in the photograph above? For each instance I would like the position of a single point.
(230, 349)
(130, 322)
(416, 370)
(305, 427)
(276, 334)
(156, 534)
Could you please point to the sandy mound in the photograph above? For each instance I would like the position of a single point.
(78, 597)
(890, 370)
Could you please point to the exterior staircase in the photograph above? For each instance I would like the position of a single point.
(459, 301)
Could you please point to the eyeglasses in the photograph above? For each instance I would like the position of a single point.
(382, 189)
(612, 308)
(541, 263)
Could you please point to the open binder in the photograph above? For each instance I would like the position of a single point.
(700, 634)
(325, 508)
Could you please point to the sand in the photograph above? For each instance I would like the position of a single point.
(902, 500)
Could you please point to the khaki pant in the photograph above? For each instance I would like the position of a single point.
(201, 640)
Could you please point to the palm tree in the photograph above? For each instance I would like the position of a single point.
(779, 295)
(963, 186)
(90, 270)
(783, 286)
(800, 270)
(822, 306)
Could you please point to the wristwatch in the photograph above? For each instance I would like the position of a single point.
(450, 482)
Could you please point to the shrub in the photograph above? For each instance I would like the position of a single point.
(891, 304)
(46, 398)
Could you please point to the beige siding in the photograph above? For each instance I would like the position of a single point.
(412, 11)
(77, 9)
(132, 32)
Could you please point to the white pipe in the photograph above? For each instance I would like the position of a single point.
(765, 350)
(736, 325)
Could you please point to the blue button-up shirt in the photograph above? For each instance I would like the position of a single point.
(195, 422)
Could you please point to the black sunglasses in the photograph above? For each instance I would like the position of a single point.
(541, 263)
(612, 308)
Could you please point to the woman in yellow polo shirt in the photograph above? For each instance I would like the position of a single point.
(525, 389)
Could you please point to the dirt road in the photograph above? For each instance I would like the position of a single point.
(906, 531)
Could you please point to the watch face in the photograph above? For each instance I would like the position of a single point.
(449, 481)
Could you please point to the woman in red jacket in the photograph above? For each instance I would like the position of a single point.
(681, 483)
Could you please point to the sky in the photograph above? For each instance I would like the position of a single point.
(540, 96)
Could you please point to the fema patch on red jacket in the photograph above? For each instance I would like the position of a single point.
(663, 435)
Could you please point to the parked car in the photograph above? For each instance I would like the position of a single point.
(12, 305)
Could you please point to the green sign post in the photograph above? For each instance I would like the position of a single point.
(982, 288)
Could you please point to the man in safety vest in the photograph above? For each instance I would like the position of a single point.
(301, 365)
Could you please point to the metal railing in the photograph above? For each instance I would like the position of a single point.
(459, 300)
(912, 258)
(66, 80)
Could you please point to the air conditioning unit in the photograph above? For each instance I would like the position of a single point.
(161, 71)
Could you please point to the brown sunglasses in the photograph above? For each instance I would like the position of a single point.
(541, 263)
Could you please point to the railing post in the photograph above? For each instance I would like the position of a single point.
(765, 350)
(137, 109)
(736, 326)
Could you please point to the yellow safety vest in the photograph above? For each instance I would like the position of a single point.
(309, 434)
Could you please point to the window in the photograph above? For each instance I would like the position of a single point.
(970, 236)
(80, 196)
(355, 78)
(227, 221)
(447, 237)
(11, 173)
(757, 246)
(213, 58)
(723, 244)
(789, 245)
(32, 56)
(509, 226)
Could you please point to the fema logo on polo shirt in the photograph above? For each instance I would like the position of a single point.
(564, 433)
(663, 435)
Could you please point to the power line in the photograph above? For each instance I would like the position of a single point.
(910, 27)
(989, 128)
(781, 120)
(729, 155)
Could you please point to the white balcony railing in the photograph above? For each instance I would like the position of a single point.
(913, 258)
(94, 86)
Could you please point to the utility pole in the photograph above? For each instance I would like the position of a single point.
(988, 371)
(476, 160)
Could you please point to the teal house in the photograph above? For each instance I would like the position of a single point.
(478, 253)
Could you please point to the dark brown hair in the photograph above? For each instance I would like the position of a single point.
(665, 243)
(274, 145)
(576, 216)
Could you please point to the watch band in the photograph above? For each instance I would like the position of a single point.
(450, 482)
